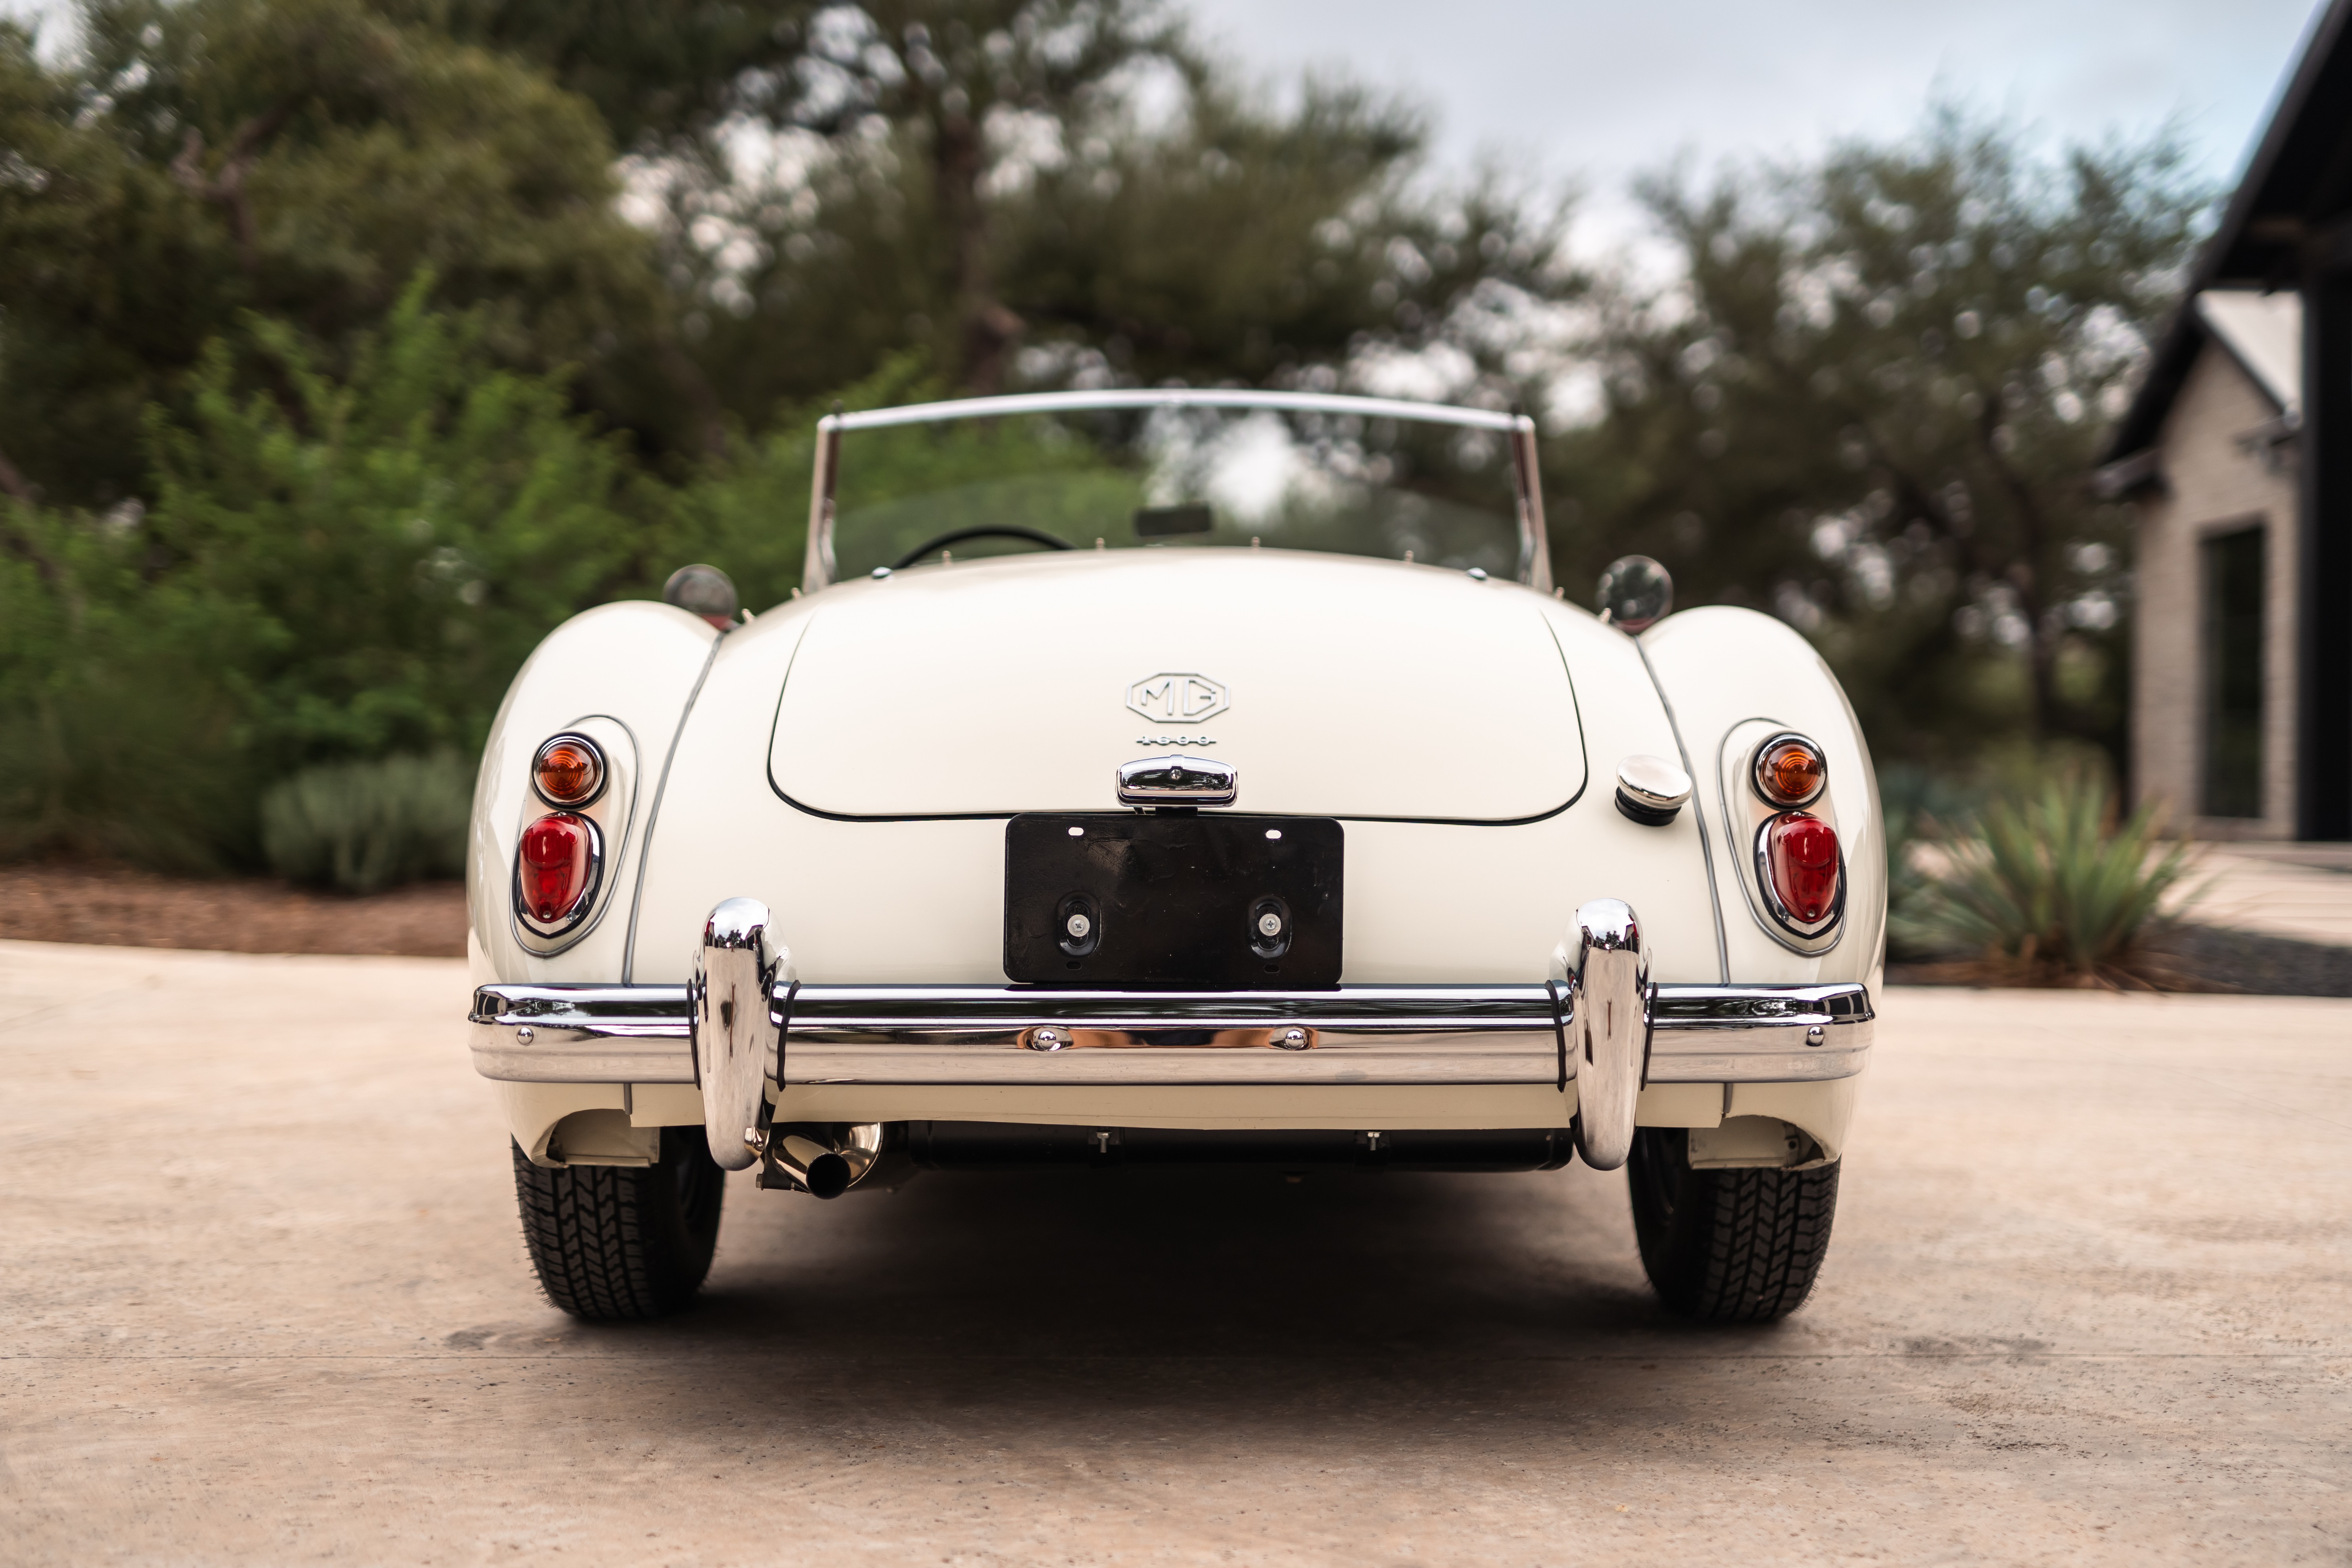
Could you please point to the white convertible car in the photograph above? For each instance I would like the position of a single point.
(1157, 776)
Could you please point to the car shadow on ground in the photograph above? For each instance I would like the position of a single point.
(1221, 1295)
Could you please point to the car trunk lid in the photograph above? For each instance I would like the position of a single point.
(1336, 685)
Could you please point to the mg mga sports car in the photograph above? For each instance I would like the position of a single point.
(1174, 776)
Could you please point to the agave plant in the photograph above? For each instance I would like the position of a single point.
(2048, 888)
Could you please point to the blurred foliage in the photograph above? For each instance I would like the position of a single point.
(360, 827)
(660, 71)
(1915, 801)
(1869, 403)
(2044, 885)
(305, 159)
(333, 570)
(1031, 191)
(116, 742)
(1056, 192)
(397, 542)
(346, 346)
(338, 570)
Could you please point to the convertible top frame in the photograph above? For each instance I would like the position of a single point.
(1535, 553)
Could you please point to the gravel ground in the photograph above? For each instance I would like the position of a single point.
(72, 903)
(262, 1299)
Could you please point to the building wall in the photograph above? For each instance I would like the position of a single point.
(2215, 482)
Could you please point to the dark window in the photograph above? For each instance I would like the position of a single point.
(2232, 564)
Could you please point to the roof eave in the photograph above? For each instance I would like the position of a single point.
(2257, 246)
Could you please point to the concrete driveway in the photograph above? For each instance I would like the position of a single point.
(266, 1301)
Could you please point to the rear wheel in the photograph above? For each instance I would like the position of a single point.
(613, 1242)
(1732, 1247)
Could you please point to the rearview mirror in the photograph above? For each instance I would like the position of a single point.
(1160, 521)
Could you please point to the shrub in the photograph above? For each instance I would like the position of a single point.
(2045, 887)
(362, 827)
(333, 570)
(401, 538)
(1913, 799)
(119, 740)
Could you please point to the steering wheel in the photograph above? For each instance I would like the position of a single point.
(1034, 535)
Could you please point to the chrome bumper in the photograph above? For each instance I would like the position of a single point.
(1004, 1034)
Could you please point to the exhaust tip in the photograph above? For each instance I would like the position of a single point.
(828, 1176)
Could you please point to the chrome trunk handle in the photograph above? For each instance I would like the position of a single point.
(1178, 781)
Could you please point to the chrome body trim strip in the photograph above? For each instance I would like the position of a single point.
(1469, 1034)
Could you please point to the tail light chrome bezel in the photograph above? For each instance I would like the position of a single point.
(1782, 915)
(583, 903)
(609, 810)
(1749, 813)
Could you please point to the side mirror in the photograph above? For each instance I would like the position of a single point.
(1636, 592)
(704, 591)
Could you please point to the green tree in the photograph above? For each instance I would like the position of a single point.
(336, 566)
(1029, 190)
(663, 73)
(305, 159)
(1870, 403)
(1235, 242)
(400, 537)
(944, 79)
(117, 741)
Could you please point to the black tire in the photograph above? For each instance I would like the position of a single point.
(614, 1243)
(1730, 1246)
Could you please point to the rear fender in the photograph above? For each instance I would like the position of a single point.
(1722, 671)
(623, 674)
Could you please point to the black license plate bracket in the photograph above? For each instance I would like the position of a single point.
(1168, 899)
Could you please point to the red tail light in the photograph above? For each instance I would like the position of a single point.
(1802, 850)
(551, 875)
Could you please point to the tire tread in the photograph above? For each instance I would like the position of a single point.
(1731, 1246)
(615, 1243)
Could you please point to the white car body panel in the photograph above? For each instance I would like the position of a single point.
(633, 665)
(1720, 666)
(1340, 687)
(923, 900)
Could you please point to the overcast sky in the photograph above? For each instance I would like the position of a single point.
(1601, 89)
(1598, 90)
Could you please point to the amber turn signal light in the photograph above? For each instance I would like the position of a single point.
(1790, 770)
(569, 771)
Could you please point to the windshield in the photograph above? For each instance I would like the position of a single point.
(1350, 477)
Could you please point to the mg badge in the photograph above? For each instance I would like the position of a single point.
(1176, 698)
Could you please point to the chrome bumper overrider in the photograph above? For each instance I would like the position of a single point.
(1497, 1034)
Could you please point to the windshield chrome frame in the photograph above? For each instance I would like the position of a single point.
(1535, 551)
